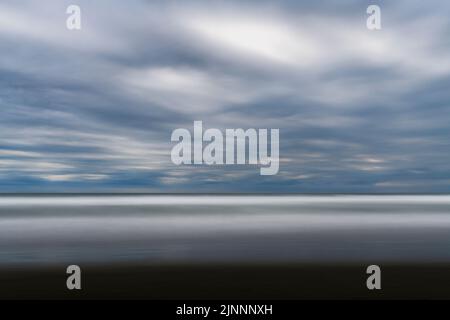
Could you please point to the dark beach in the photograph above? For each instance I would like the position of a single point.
(263, 281)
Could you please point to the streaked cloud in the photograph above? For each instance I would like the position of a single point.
(358, 111)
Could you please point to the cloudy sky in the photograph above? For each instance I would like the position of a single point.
(93, 110)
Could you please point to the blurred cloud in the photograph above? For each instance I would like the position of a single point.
(93, 110)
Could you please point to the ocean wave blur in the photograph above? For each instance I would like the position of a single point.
(156, 229)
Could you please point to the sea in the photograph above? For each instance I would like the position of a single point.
(159, 229)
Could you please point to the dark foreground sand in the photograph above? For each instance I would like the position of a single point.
(208, 281)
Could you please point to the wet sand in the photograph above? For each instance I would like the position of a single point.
(228, 281)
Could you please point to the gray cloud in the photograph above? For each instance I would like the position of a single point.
(93, 110)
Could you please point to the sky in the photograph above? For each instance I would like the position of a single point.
(92, 110)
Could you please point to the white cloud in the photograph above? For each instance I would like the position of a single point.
(190, 90)
(253, 37)
(72, 177)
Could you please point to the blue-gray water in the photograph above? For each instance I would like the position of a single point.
(169, 228)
